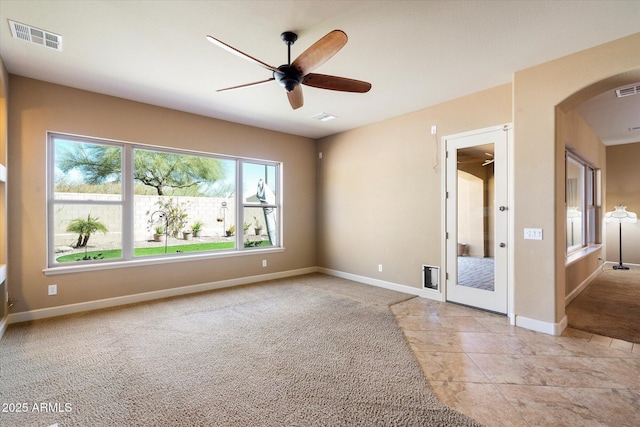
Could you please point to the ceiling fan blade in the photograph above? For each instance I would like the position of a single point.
(295, 97)
(246, 85)
(320, 52)
(243, 55)
(343, 84)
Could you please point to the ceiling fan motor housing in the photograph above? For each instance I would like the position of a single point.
(288, 77)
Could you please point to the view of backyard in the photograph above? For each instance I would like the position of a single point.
(181, 202)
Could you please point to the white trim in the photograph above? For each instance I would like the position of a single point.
(509, 202)
(149, 296)
(581, 287)
(144, 261)
(540, 326)
(580, 254)
(425, 293)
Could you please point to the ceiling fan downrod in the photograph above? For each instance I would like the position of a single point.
(287, 75)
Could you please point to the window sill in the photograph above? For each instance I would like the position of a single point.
(580, 254)
(68, 269)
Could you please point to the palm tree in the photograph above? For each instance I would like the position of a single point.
(84, 228)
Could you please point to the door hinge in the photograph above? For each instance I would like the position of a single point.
(446, 276)
(446, 235)
(446, 194)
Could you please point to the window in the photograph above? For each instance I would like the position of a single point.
(582, 201)
(112, 201)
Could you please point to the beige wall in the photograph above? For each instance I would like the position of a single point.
(379, 198)
(379, 188)
(539, 268)
(36, 107)
(623, 187)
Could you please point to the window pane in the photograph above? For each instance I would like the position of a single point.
(259, 183)
(260, 227)
(575, 203)
(591, 224)
(182, 203)
(590, 186)
(87, 171)
(87, 232)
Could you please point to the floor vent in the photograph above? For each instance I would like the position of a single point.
(430, 277)
(35, 35)
(628, 91)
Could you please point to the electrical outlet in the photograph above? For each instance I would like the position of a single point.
(380, 268)
(264, 262)
(53, 290)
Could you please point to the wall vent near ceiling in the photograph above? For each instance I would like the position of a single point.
(35, 35)
(627, 91)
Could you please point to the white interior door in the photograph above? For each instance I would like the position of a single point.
(477, 218)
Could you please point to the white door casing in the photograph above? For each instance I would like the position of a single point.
(484, 218)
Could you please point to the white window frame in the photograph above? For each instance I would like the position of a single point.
(127, 205)
(590, 199)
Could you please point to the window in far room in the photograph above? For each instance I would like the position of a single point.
(582, 199)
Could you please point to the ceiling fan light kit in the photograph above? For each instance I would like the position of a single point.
(292, 75)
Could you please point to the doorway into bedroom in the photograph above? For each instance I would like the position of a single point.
(477, 219)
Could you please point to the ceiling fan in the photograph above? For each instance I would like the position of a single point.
(292, 75)
(489, 160)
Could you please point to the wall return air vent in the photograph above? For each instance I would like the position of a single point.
(35, 35)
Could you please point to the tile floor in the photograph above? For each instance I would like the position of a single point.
(506, 376)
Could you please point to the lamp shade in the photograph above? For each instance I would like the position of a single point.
(620, 214)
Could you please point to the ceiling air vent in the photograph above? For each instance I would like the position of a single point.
(323, 117)
(627, 91)
(35, 35)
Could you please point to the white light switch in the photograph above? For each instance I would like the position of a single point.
(533, 233)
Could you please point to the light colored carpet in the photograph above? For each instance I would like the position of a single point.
(304, 351)
(609, 306)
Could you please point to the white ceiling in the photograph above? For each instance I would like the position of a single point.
(415, 53)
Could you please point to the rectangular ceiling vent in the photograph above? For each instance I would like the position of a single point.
(323, 117)
(628, 91)
(35, 35)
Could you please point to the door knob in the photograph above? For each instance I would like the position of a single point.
(502, 208)
(502, 245)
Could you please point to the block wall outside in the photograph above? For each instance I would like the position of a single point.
(203, 209)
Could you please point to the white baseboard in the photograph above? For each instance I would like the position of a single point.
(45, 313)
(425, 293)
(581, 287)
(540, 326)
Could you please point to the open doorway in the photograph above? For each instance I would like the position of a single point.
(603, 114)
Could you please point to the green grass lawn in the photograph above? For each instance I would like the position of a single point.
(159, 250)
